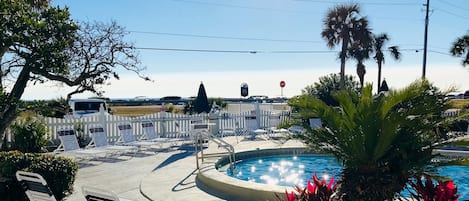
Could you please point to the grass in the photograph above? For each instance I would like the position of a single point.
(459, 103)
(133, 111)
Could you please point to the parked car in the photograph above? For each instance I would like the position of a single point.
(84, 107)
(455, 95)
(466, 94)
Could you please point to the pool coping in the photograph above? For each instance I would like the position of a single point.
(230, 188)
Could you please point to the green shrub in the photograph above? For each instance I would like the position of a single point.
(58, 171)
(82, 138)
(29, 135)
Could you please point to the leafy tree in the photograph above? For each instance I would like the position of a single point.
(98, 51)
(378, 45)
(218, 101)
(328, 85)
(40, 43)
(33, 40)
(51, 108)
(344, 25)
(461, 47)
(29, 135)
(382, 140)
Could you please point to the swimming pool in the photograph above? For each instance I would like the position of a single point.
(287, 170)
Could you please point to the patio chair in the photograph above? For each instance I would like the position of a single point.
(127, 137)
(99, 140)
(200, 133)
(252, 128)
(295, 129)
(151, 135)
(69, 145)
(185, 133)
(96, 194)
(34, 186)
(274, 121)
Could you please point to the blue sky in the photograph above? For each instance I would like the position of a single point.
(274, 29)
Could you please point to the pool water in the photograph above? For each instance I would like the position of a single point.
(286, 170)
(290, 171)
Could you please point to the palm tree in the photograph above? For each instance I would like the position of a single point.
(341, 26)
(461, 46)
(381, 140)
(378, 45)
(361, 50)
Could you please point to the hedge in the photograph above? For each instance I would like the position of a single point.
(58, 171)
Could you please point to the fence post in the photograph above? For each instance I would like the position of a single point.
(258, 115)
(162, 123)
(102, 117)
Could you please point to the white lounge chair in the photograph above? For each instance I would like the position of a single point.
(295, 129)
(274, 121)
(96, 194)
(69, 145)
(127, 137)
(99, 140)
(151, 135)
(35, 186)
(201, 133)
(252, 128)
(234, 130)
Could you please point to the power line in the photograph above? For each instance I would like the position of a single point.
(453, 5)
(439, 52)
(238, 51)
(451, 13)
(292, 11)
(224, 37)
(250, 51)
(363, 3)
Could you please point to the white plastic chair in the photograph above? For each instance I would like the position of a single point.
(99, 140)
(127, 137)
(201, 133)
(35, 186)
(96, 194)
(69, 145)
(252, 128)
(151, 135)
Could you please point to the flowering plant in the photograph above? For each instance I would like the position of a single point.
(428, 191)
(318, 190)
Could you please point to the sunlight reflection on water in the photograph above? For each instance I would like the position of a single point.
(297, 170)
(286, 170)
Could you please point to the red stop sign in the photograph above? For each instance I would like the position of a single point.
(282, 83)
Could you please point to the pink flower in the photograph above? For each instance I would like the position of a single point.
(446, 191)
(311, 187)
(290, 196)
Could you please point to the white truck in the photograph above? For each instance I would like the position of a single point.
(85, 107)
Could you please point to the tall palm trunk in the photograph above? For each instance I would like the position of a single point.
(343, 56)
(361, 72)
(379, 76)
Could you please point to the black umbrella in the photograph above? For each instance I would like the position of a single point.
(201, 102)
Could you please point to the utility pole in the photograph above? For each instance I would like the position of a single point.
(425, 40)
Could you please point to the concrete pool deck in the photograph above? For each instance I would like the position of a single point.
(165, 174)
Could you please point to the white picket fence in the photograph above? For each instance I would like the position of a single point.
(166, 124)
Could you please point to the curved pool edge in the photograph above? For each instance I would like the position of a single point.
(230, 188)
